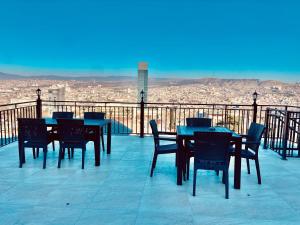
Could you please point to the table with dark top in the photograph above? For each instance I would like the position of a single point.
(185, 133)
(94, 125)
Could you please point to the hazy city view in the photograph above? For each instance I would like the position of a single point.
(173, 90)
(149, 112)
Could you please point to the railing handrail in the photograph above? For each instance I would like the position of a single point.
(170, 103)
(17, 103)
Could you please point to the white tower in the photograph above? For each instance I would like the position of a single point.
(142, 81)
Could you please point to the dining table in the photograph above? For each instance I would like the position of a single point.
(186, 133)
(93, 125)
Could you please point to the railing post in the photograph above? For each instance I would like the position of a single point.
(225, 119)
(285, 134)
(142, 106)
(266, 128)
(254, 95)
(38, 104)
(254, 111)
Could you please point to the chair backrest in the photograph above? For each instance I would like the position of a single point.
(155, 133)
(255, 134)
(71, 130)
(198, 122)
(33, 130)
(62, 115)
(94, 115)
(212, 146)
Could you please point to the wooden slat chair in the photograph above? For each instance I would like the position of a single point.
(71, 135)
(98, 116)
(211, 152)
(194, 122)
(60, 115)
(161, 149)
(32, 133)
(251, 142)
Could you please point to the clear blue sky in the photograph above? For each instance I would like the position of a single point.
(237, 38)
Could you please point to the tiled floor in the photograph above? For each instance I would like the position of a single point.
(120, 191)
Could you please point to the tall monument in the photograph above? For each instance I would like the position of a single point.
(142, 81)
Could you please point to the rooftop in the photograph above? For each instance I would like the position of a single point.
(120, 191)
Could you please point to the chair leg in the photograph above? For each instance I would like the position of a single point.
(45, 157)
(21, 152)
(102, 137)
(63, 153)
(53, 145)
(153, 164)
(217, 172)
(69, 153)
(248, 166)
(224, 177)
(225, 172)
(59, 157)
(194, 182)
(258, 171)
(33, 153)
(83, 154)
(188, 168)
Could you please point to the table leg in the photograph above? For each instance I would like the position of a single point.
(108, 138)
(97, 146)
(179, 155)
(237, 165)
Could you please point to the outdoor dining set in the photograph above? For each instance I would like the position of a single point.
(70, 132)
(211, 146)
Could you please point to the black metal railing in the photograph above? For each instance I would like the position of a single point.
(8, 119)
(283, 131)
(133, 118)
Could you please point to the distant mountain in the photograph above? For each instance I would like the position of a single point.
(7, 76)
(120, 80)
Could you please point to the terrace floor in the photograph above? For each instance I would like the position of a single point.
(120, 191)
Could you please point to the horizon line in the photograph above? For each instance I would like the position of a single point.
(132, 72)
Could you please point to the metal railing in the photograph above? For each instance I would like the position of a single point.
(283, 131)
(133, 118)
(8, 119)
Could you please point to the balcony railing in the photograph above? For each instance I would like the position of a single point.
(133, 117)
(8, 119)
(283, 131)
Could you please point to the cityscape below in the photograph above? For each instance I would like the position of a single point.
(15, 89)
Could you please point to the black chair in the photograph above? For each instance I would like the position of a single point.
(32, 133)
(194, 122)
(198, 122)
(60, 115)
(158, 148)
(251, 145)
(98, 116)
(71, 134)
(211, 152)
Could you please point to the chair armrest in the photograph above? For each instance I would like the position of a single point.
(244, 135)
(251, 142)
(167, 139)
(167, 133)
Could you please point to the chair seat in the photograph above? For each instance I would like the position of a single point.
(73, 144)
(168, 138)
(210, 165)
(244, 153)
(164, 149)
